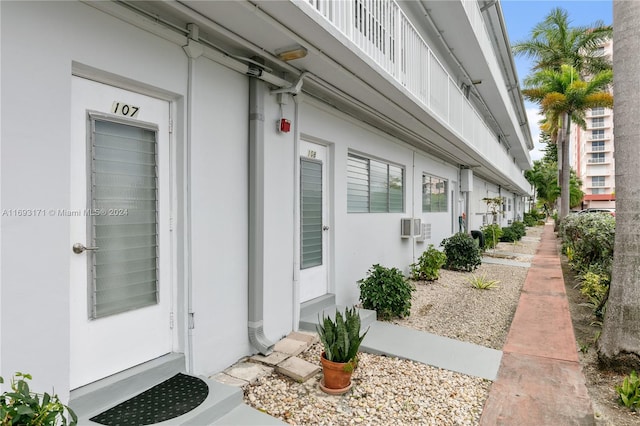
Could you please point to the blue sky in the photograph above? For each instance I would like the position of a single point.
(522, 15)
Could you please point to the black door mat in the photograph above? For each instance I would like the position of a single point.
(167, 400)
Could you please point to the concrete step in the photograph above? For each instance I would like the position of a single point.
(316, 305)
(246, 416)
(309, 321)
(99, 396)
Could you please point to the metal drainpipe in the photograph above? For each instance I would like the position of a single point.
(296, 217)
(256, 218)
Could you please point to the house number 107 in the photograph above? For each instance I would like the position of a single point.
(127, 110)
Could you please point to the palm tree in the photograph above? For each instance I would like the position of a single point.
(563, 96)
(552, 44)
(544, 177)
(619, 343)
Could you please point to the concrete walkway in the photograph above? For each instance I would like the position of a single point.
(540, 380)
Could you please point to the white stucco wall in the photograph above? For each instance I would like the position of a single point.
(41, 40)
(46, 40)
(219, 215)
(279, 219)
(364, 239)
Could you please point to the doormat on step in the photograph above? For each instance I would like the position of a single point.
(167, 400)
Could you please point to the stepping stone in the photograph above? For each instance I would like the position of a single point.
(290, 346)
(249, 371)
(272, 359)
(303, 336)
(229, 380)
(298, 369)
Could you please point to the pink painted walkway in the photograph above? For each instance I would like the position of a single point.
(540, 381)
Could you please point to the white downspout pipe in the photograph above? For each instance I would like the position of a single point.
(296, 217)
(257, 218)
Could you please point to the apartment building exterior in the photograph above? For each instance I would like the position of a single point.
(181, 177)
(593, 156)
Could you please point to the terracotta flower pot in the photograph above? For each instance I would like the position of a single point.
(337, 375)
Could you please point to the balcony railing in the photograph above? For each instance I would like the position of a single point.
(601, 137)
(381, 30)
(596, 160)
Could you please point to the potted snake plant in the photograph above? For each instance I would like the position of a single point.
(341, 340)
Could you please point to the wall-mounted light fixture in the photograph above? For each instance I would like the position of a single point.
(290, 53)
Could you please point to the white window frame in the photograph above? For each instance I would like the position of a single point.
(360, 178)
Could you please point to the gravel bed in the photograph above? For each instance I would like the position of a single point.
(450, 307)
(385, 391)
(389, 390)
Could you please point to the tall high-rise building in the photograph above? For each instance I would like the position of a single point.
(593, 154)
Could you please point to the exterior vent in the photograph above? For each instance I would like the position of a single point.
(410, 227)
(425, 233)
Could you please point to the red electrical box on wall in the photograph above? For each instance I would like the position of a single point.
(284, 125)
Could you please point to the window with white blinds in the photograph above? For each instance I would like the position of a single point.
(311, 213)
(374, 186)
(123, 223)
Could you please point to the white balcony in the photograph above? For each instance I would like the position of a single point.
(383, 32)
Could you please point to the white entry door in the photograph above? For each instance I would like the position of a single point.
(121, 296)
(314, 223)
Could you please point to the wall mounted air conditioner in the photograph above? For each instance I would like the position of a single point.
(410, 227)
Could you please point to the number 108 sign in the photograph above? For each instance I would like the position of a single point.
(125, 109)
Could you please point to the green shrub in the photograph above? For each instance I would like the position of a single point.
(629, 392)
(531, 218)
(509, 235)
(590, 238)
(387, 291)
(462, 253)
(519, 228)
(594, 287)
(429, 264)
(492, 234)
(23, 407)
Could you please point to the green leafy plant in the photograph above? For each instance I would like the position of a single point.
(531, 218)
(509, 235)
(595, 288)
(482, 282)
(629, 392)
(429, 264)
(492, 234)
(387, 291)
(514, 232)
(590, 236)
(568, 251)
(462, 253)
(519, 228)
(341, 336)
(23, 407)
(494, 205)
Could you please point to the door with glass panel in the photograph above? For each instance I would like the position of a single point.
(121, 297)
(314, 221)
